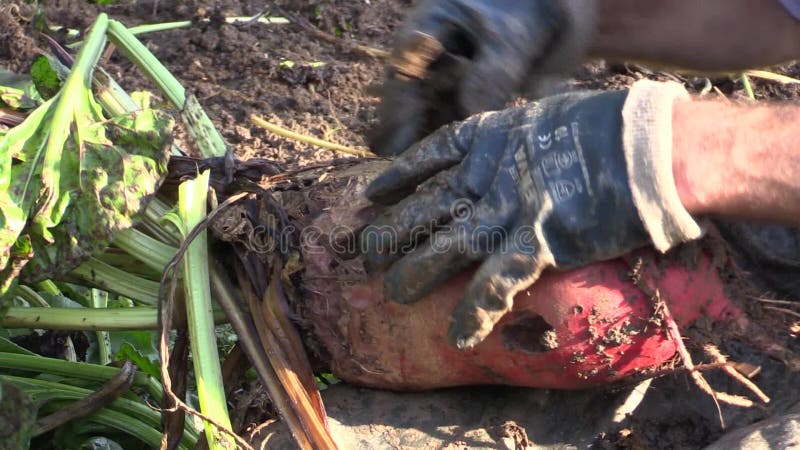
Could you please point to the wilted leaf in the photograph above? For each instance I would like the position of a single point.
(59, 301)
(17, 98)
(18, 177)
(70, 178)
(103, 184)
(112, 183)
(18, 91)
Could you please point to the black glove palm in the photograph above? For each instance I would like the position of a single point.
(519, 190)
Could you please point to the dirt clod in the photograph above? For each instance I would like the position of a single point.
(17, 47)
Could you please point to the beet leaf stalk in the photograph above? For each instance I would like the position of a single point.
(192, 199)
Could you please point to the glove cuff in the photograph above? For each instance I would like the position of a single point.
(647, 142)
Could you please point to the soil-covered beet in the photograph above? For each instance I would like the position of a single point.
(598, 326)
(592, 326)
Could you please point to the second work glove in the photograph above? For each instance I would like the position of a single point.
(455, 58)
(564, 182)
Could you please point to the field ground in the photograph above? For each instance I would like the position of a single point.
(291, 76)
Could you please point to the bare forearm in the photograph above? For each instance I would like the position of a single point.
(738, 160)
(707, 35)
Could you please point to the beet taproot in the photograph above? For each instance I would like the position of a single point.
(592, 326)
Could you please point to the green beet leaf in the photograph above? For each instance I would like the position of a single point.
(71, 178)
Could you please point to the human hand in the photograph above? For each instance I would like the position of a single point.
(455, 58)
(557, 183)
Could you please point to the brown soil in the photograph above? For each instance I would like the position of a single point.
(292, 78)
(17, 47)
(278, 71)
(284, 72)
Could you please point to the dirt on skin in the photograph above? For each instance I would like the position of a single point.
(285, 73)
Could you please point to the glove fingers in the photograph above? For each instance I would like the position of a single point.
(490, 294)
(439, 151)
(418, 273)
(408, 223)
(475, 231)
(448, 196)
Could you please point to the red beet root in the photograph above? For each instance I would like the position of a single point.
(570, 330)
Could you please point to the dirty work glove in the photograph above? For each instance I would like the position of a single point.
(569, 180)
(455, 58)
